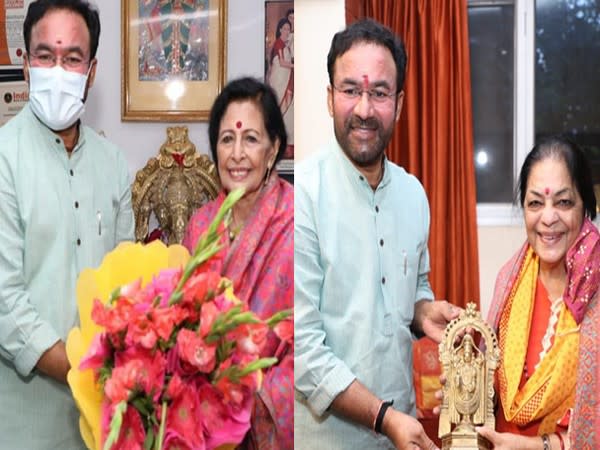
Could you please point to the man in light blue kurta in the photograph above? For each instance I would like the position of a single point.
(361, 227)
(65, 201)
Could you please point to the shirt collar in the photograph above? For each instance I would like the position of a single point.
(355, 176)
(50, 135)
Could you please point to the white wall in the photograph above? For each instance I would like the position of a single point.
(141, 140)
(316, 22)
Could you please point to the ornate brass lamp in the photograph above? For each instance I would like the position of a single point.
(469, 389)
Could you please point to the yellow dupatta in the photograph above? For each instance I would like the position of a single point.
(550, 390)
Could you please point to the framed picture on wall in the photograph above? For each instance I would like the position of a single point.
(173, 58)
(279, 67)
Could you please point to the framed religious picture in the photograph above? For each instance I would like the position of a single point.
(173, 58)
(279, 68)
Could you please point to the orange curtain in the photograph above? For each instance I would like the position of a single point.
(4, 56)
(434, 139)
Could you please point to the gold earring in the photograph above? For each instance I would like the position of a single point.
(268, 174)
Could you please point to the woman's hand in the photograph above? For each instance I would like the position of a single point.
(509, 441)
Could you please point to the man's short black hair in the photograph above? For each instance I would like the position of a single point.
(371, 32)
(38, 9)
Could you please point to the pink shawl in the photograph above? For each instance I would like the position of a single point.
(582, 298)
(260, 262)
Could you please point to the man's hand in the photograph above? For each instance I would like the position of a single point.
(405, 432)
(431, 318)
(54, 362)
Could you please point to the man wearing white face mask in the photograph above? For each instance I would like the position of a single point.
(64, 202)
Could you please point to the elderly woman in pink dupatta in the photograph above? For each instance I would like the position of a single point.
(247, 137)
(546, 310)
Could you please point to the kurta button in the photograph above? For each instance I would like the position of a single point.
(381, 242)
(78, 241)
(383, 280)
(71, 172)
(76, 204)
(57, 140)
(360, 177)
(376, 208)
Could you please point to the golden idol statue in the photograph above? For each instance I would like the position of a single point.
(469, 390)
(172, 186)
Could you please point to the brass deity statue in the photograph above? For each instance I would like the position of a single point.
(172, 186)
(469, 389)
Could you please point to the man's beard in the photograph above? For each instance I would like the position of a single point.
(363, 153)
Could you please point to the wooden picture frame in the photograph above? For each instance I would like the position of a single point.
(173, 58)
(278, 74)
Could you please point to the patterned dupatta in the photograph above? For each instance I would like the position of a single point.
(569, 374)
(260, 261)
(551, 389)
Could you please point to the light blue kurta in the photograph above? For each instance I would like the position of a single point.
(58, 215)
(361, 262)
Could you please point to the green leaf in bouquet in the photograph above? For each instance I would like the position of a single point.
(259, 364)
(149, 441)
(278, 317)
(161, 430)
(115, 425)
(234, 372)
(208, 244)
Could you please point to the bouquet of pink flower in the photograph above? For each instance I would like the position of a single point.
(177, 360)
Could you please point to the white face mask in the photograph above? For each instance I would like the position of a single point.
(56, 95)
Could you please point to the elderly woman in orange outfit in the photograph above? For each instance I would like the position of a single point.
(546, 312)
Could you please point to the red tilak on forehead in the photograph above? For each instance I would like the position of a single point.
(547, 191)
(238, 124)
(366, 81)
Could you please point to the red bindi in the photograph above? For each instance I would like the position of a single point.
(365, 81)
(238, 124)
(547, 191)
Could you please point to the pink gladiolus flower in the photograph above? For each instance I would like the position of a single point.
(251, 338)
(148, 367)
(174, 441)
(165, 320)
(132, 289)
(123, 381)
(223, 424)
(113, 318)
(132, 434)
(285, 330)
(141, 332)
(233, 393)
(175, 387)
(183, 417)
(97, 354)
(200, 285)
(207, 317)
(223, 304)
(163, 285)
(193, 350)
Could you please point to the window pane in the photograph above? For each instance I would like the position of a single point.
(567, 73)
(491, 47)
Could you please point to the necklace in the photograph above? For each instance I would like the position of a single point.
(232, 234)
(232, 229)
